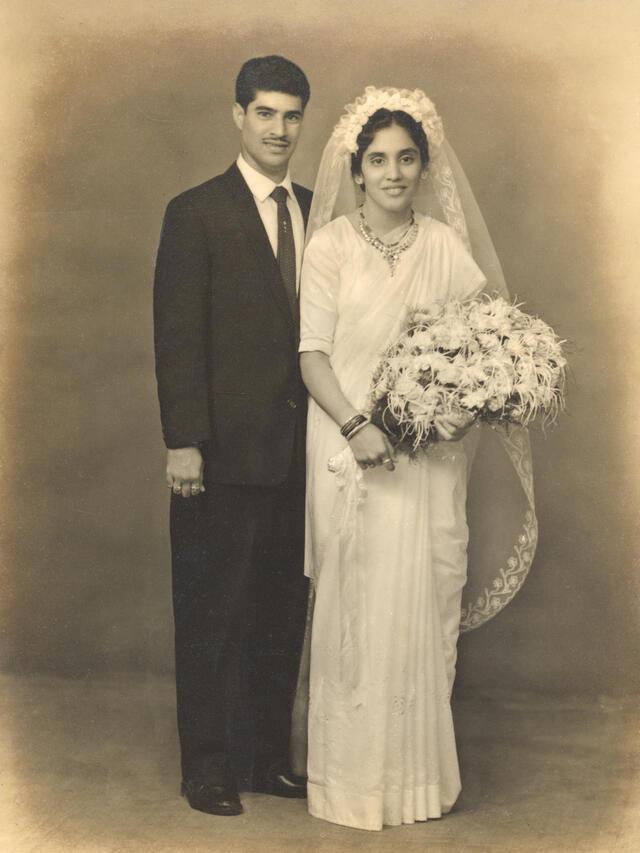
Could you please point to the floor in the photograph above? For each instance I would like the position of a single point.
(90, 765)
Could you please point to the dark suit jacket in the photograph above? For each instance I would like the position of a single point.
(225, 337)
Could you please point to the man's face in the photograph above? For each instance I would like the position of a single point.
(269, 130)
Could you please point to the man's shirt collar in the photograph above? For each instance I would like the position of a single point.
(260, 185)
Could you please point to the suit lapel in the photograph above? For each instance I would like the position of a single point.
(303, 204)
(257, 239)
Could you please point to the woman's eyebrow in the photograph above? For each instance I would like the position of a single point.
(386, 153)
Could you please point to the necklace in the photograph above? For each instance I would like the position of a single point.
(390, 251)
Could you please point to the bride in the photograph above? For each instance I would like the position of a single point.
(387, 537)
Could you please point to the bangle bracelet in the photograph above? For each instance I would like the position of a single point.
(356, 429)
(354, 421)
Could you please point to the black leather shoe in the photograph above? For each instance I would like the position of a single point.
(281, 782)
(220, 800)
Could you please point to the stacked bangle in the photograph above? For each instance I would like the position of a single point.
(353, 426)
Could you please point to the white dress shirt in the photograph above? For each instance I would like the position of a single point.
(261, 187)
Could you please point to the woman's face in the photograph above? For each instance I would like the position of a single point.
(391, 169)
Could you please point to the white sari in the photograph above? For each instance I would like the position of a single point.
(387, 551)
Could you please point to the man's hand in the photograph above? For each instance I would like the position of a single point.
(185, 468)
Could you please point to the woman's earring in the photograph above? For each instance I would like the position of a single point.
(424, 175)
(359, 181)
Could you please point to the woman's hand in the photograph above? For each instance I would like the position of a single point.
(453, 427)
(371, 447)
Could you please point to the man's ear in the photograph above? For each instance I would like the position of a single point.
(238, 116)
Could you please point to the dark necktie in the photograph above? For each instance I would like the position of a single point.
(286, 249)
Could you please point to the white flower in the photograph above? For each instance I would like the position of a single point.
(483, 323)
(514, 346)
(431, 395)
(474, 400)
(406, 386)
(449, 374)
(488, 340)
(529, 339)
(423, 338)
(423, 362)
(438, 361)
(501, 386)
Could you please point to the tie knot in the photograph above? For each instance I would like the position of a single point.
(280, 195)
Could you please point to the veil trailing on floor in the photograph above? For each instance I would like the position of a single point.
(501, 507)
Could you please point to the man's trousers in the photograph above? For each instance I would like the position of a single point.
(239, 597)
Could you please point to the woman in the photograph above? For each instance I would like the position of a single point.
(387, 537)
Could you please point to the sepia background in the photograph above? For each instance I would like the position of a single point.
(109, 110)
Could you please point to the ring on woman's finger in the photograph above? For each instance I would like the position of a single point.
(386, 460)
(195, 489)
(177, 489)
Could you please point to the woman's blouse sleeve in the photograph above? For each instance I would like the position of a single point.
(467, 279)
(319, 285)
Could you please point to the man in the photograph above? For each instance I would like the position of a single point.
(233, 411)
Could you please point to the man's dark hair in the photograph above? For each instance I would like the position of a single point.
(271, 74)
(385, 118)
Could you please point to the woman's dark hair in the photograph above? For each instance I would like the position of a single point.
(385, 118)
(270, 74)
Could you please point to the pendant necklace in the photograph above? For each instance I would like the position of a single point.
(390, 251)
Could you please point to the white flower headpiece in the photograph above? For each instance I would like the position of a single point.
(414, 102)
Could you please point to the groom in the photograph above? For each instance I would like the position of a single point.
(233, 416)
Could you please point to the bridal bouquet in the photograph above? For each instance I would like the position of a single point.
(484, 356)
